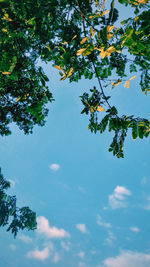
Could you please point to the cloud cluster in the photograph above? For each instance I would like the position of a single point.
(24, 238)
(56, 258)
(100, 222)
(54, 167)
(110, 239)
(82, 228)
(39, 254)
(134, 229)
(117, 199)
(43, 227)
(65, 245)
(128, 259)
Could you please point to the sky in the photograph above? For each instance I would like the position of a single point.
(93, 210)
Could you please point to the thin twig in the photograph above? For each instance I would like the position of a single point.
(99, 81)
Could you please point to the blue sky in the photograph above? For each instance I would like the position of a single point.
(93, 210)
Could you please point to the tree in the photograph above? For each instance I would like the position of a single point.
(12, 216)
(81, 39)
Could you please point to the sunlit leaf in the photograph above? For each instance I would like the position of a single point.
(100, 108)
(57, 67)
(92, 109)
(70, 72)
(80, 51)
(4, 30)
(6, 72)
(92, 31)
(132, 78)
(84, 40)
(127, 83)
(109, 36)
(111, 49)
(105, 12)
(18, 99)
(110, 28)
(74, 37)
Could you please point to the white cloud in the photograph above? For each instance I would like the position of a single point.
(25, 238)
(38, 254)
(117, 199)
(54, 167)
(56, 258)
(65, 245)
(102, 223)
(109, 240)
(50, 232)
(128, 259)
(134, 229)
(82, 228)
(49, 245)
(81, 254)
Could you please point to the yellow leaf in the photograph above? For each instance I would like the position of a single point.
(110, 28)
(100, 108)
(18, 99)
(105, 12)
(63, 78)
(74, 37)
(6, 15)
(6, 72)
(4, 30)
(89, 127)
(111, 49)
(48, 47)
(136, 18)
(86, 53)
(103, 54)
(90, 17)
(132, 78)
(92, 109)
(70, 72)
(140, 2)
(127, 83)
(57, 67)
(84, 40)
(115, 83)
(64, 43)
(80, 51)
(109, 35)
(92, 31)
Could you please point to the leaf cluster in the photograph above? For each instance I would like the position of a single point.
(10, 215)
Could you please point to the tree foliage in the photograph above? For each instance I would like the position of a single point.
(15, 218)
(81, 39)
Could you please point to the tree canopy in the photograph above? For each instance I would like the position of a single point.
(12, 216)
(81, 38)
